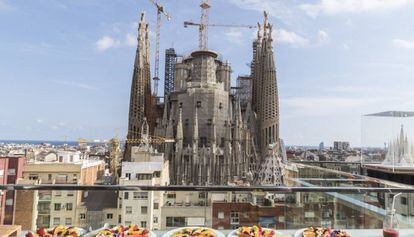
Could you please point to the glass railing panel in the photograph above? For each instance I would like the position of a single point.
(162, 210)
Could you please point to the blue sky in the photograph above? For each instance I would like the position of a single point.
(66, 66)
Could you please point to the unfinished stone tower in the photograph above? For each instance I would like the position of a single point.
(265, 100)
(140, 98)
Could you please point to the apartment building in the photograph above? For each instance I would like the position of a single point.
(61, 207)
(186, 209)
(11, 169)
(146, 168)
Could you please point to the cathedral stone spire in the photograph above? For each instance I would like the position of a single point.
(139, 106)
(179, 150)
(265, 101)
(168, 146)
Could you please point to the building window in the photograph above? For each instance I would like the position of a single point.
(202, 195)
(128, 176)
(143, 224)
(157, 174)
(68, 221)
(12, 172)
(209, 122)
(143, 176)
(69, 206)
(128, 210)
(306, 198)
(9, 202)
(175, 221)
(140, 195)
(155, 220)
(220, 215)
(109, 216)
(49, 177)
(82, 216)
(220, 105)
(1, 172)
(144, 209)
(126, 195)
(156, 205)
(234, 217)
(203, 141)
(56, 221)
(33, 177)
(198, 104)
(57, 206)
(170, 195)
(403, 201)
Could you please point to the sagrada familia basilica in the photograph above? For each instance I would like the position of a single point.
(217, 139)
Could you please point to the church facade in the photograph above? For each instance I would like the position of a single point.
(219, 141)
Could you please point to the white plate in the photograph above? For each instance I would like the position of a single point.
(95, 232)
(299, 233)
(80, 230)
(233, 233)
(171, 232)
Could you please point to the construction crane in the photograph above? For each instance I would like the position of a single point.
(145, 138)
(160, 11)
(83, 141)
(152, 140)
(203, 25)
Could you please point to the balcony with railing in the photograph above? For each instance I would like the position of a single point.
(310, 196)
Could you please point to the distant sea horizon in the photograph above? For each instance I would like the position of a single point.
(39, 142)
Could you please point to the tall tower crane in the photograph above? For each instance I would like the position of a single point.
(203, 25)
(160, 11)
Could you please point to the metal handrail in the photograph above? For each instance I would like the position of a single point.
(276, 189)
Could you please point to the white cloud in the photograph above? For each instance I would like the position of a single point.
(352, 89)
(403, 44)
(39, 121)
(345, 46)
(281, 9)
(291, 38)
(4, 5)
(75, 84)
(107, 42)
(324, 106)
(332, 7)
(131, 40)
(323, 37)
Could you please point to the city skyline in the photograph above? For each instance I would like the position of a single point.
(327, 76)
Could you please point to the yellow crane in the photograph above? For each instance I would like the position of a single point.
(160, 11)
(145, 138)
(203, 25)
(152, 140)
